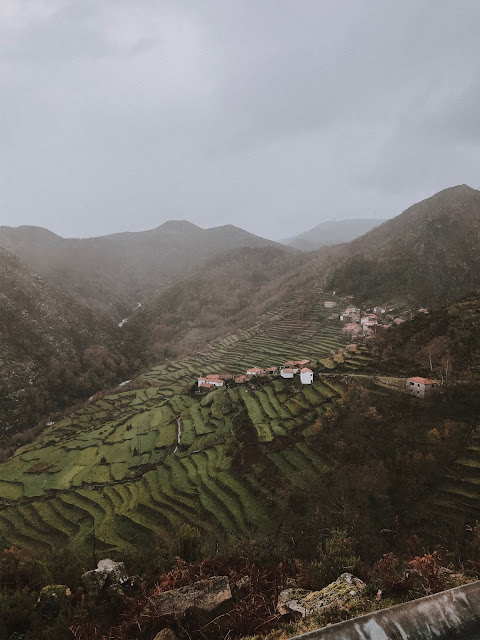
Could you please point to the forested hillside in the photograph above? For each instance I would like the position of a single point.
(444, 344)
(54, 350)
(227, 292)
(428, 255)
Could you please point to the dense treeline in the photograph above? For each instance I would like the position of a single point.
(444, 344)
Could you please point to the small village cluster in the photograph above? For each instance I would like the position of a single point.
(287, 370)
(358, 327)
(362, 326)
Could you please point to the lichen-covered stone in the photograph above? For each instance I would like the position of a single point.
(345, 591)
(206, 595)
(53, 598)
(106, 574)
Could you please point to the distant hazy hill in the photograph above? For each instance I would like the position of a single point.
(428, 255)
(332, 232)
(53, 349)
(116, 270)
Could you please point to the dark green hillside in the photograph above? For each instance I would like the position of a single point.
(269, 457)
(428, 255)
(226, 293)
(54, 350)
(445, 343)
(118, 460)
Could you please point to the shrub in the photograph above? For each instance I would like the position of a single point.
(188, 543)
(335, 556)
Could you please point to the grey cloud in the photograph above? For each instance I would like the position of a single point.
(272, 115)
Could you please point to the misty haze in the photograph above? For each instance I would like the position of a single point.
(239, 312)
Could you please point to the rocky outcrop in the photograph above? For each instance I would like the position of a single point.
(107, 574)
(206, 595)
(345, 591)
(444, 616)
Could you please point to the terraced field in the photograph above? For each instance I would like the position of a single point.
(147, 460)
(459, 495)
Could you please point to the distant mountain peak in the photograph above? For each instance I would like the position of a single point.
(332, 232)
(31, 231)
(178, 226)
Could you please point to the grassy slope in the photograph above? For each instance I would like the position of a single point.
(115, 462)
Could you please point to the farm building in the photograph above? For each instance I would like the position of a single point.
(212, 380)
(329, 304)
(352, 329)
(286, 373)
(255, 371)
(272, 370)
(306, 376)
(369, 321)
(291, 364)
(420, 387)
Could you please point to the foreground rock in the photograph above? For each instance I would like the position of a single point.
(345, 591)
(107, 574)
(206, 595)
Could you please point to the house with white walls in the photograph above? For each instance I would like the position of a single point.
(306, 376)
(212, 380)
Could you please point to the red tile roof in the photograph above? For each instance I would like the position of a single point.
(421, 380)
(306, 370)
(287, 370)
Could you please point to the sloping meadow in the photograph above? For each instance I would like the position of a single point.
(148, 459)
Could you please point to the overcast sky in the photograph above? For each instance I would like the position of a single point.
(273, 115)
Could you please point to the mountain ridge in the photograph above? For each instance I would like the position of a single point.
(116, 271)
(427, 255)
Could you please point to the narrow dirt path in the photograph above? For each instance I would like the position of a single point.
(179, 432)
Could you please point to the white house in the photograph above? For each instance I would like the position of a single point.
(306, 376)
(212, 380)
(286, 373)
